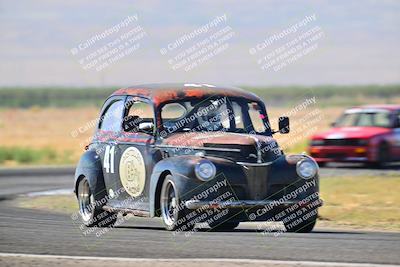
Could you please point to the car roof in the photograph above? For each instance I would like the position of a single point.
(389, 107)
(160, 93)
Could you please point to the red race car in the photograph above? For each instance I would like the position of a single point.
(368, 134)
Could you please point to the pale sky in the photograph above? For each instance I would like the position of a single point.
(359, 42)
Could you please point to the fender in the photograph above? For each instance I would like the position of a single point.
(176, 166)
(90, 166)
(282, 172)
(182, 168)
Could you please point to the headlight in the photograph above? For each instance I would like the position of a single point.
(317, 142)
(306, 168)
(205, 170)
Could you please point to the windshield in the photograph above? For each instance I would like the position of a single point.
(379, 118)
(215, 114)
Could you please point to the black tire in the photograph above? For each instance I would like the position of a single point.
(224, 226)
(304, 227)
(383, 156)
(92, 215)
(173, 212)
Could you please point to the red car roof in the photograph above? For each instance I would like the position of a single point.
(160, 93)
(390, 107)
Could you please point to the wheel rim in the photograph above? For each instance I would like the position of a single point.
(85, 200)
(169, 207)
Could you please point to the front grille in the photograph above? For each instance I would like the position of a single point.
(341, 142)
(257, 181)
(247, 152)
(335, 155)
(270, 151)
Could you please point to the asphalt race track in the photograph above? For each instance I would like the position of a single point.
(37, 232)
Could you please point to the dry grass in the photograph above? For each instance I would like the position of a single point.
(66, 204)
(46, 128)
(361, 202)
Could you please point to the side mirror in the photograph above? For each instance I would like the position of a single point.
(284, 125)
(135, 124)
(146, 127)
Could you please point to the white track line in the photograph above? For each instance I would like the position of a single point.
(121, 259)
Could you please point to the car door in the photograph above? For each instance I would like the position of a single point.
(109, 129)
(135, 154)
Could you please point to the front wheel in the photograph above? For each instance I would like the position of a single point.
(383, 156)
(92, 215)
(173, 212)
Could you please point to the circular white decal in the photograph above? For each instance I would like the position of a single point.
(132, 171)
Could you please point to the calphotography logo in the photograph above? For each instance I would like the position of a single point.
(193, 49)
(111, 45)
(298, 43)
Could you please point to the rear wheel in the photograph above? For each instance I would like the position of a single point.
(92, 215)
(173, 212)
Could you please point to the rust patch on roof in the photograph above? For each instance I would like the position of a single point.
(133, 91)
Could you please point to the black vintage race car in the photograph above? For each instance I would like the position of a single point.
(193, 153)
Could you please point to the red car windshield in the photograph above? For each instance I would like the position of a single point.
(379, 118)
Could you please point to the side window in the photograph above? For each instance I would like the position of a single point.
(379, 119)
(173, 111)
(256, 117)
(139, 118)
(237, 111)
(112, 117)
(382, 119)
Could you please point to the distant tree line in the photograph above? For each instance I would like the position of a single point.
(274, 96)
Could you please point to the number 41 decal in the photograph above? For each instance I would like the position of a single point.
(108, 163)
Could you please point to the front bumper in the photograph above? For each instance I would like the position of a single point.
(339, 153)
(246, 204)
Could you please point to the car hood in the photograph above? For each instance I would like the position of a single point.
(249, 145)
(351, 132)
